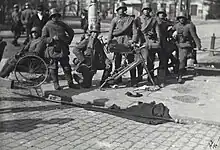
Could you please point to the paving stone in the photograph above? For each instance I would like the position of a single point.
(52, 147)
(63, 142)
(45, 144)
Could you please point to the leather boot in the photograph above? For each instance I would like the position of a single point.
(133, 78)
(140, 72)
(180, 77)
(87, 75)
(69, 79)
(161, 74)
(54, 76)
(6, 70)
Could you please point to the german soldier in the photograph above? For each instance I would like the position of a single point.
(152, 37)
(123, 29)
(16, 24)
(58, 36)
(25, 19)
(167, 43)
(36, 46)
(91, 57)
(185, 35)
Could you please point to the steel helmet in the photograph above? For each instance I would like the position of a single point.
(121, 5)
(162, 10)
(15, 6)
(36, 29)
(146, 6)
(54, 11)
(181, 15)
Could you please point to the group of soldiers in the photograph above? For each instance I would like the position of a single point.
(51, 42)
(51, 39)
(159, 35)
(26, 19)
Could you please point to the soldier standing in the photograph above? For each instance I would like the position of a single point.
(16, 24)
(150, 32)
(58, 36)
(25, 19)
(168, 45)
(185, 35)
(123, 29)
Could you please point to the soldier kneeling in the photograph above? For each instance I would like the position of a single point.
(35, 46)
(91, 57)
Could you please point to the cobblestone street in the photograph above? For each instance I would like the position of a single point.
(33, 124)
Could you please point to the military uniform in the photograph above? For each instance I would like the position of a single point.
(58, 49)
(25, 19)
(16, 24)
(123, 30)
(186, 34)
(90, 54)
(169, 46)
(152, 39)
(35, 46)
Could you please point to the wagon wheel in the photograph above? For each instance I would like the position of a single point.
(31, 71)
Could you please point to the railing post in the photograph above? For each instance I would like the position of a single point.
(212, 44)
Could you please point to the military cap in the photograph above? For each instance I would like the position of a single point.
(40, 8)
(121, 5)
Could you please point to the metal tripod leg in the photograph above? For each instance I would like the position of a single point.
(122, 72)
(146, 69)
(148, 72)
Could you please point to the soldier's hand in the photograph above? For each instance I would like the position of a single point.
(174, 35)
(56, 38)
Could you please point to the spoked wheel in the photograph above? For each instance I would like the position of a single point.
(31, 71)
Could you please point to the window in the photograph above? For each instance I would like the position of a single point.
(194, 10)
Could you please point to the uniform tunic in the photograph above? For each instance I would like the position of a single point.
(186, 34)
(60, 48)
(124, 30)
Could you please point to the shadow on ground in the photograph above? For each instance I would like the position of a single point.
(25, 125)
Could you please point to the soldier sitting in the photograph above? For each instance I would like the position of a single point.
(35, 46)
(90, 58)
